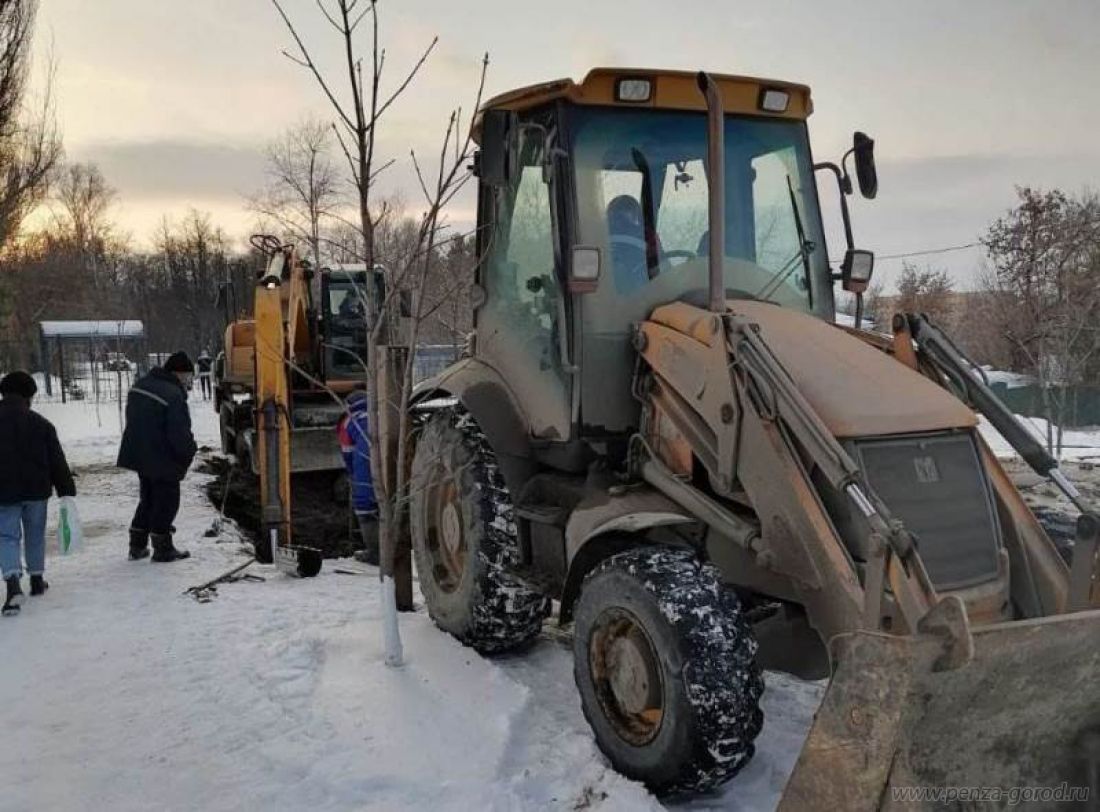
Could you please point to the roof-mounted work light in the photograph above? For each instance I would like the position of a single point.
(773, 100)
(635, 91)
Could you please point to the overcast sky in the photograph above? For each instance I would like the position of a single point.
(174, 100)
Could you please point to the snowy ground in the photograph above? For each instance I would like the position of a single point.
(118, 692)
(1077, 444)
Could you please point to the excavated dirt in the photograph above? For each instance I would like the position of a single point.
(320, 516)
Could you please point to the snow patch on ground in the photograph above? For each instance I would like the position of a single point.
(120, 692)
(1077, 444)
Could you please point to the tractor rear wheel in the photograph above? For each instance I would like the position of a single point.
(464, 539)
(665, 665)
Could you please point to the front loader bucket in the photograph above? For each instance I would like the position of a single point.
(1018, 725)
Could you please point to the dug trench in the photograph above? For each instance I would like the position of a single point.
(319, 509)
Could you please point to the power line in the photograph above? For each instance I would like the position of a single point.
(946, 250)
(924, 253)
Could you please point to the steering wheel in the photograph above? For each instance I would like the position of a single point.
(265, 243)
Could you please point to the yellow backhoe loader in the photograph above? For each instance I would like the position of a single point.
(661, 428)
(280, 393)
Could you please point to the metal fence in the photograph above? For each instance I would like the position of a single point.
(76, 377)
(1082, 403)
(104, 379)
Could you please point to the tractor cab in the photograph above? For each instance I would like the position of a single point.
(342, 322)
(594, 211)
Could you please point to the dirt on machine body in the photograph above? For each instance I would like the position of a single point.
(660, 427)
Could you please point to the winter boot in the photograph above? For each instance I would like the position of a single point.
(368, 528)
(14, 597)
(139, 544)
(164, 551)
(38, 585)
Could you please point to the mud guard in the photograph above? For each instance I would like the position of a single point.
(599, 520)
(484, 394)
(1022, 714)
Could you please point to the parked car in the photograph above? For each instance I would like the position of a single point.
(116, 362)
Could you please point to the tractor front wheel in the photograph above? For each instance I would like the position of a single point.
(665, 665)
(464, 539)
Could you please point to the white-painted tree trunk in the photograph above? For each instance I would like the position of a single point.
(391, 634)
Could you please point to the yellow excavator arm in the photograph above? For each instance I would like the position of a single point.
(277, 345)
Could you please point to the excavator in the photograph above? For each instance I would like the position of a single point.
(285, 374)
(661, 432)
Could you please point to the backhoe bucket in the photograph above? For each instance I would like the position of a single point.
(1017, 726)
(314, 448)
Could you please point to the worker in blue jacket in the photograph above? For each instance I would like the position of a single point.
(355, 447)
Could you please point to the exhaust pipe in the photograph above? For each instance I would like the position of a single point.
(716, 189)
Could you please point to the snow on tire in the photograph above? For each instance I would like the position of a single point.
(464, 539)
(665, 664)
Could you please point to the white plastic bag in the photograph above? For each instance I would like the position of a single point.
(70, 534)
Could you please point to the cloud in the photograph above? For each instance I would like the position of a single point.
(176, 168)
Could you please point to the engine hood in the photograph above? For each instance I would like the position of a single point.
(857, 390)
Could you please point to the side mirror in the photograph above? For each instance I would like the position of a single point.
(495, 161)
(584, 269)
(863, 146)
(856, 270)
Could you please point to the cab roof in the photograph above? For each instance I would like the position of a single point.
(672, 89)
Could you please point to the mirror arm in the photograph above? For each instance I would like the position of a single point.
(846, 179)
(840, 179)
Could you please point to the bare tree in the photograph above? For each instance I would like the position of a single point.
(85, 198)
(30, 145)
(978, 325)
(359, 104)
(195, 257)
(926, 290)
(1044, 257)
(303, 190)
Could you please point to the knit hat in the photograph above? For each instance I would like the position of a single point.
(179, 362)
(18, 383)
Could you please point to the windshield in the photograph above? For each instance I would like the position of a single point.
(641, 195)
(346, 329)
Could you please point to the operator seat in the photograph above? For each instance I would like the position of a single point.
(627, 233)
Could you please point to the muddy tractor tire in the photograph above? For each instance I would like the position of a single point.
(225, 428)
(665, 664)
(464, 539)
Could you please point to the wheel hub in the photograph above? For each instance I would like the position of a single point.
(627, 675)
(445, 539)
(452, 531)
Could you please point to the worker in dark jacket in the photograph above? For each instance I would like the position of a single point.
(159, 446)
(32, 466)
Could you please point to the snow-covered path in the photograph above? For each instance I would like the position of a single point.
(119, 692)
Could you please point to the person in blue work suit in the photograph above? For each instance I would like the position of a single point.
(355, 447)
